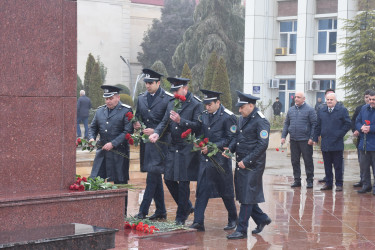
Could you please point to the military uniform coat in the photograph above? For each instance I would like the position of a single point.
(250, 146)
(112, 127)
(153, 155)
(220, 130)
(181, 163)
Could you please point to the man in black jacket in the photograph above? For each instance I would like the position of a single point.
(151, 108)
(83, 108)
(250, 145)
(181, 164)
(277, 106)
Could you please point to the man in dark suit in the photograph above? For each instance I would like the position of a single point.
(219, 125)
(250, 145)
(277, 106)
(83, 108)
(151, 108)
(356, 132)
(181, 164)
(333, 123)
(112, 125)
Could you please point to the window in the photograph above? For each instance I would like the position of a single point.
(286, 91)
(324, 85)
(327, 33)
(288, 36)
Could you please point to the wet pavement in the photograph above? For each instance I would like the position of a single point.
(301, 218)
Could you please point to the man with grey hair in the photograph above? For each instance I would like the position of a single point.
(300, 124)
(83, 108)
(333, 123)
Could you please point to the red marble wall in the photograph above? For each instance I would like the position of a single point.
(38, 51)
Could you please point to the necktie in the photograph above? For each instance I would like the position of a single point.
(329, 110)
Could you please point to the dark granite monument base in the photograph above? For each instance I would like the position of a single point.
(67, 236)
(104, 208)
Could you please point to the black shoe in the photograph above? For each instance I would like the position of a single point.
(357, 184)
(180, 222)
(199, 227)
(236, 235)
(364, 190)
(296, 184)
(322, 180)
(326, 187)
(158, 217)
(338, 188)
(309, 185)
(260, 227)
(231, 225)
(140, 216)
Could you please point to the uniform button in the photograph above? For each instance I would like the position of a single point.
(187, 124)
(176, 127)
(107, 122)
(209, 128)
(149, 110)
(238, 143)
(241, 130)
(148, 120)
(105, 130)
(176, 151)
(206, 159)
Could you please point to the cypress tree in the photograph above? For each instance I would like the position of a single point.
(96, 93)
(79, 86)
(210, 70)
(90, 63)
(221, 84)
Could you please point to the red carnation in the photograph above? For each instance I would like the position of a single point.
(76, 187)
(131, 141)
(183, 135)
(188, 131)
(84, 179)
(201, 144)
(81, 188)
(277, 149)
(78, 181)
(79, 140)
(127, 225)
(182, 98)
(367, 122)
(151, 231)
(146, 230)
(282, 151)
(127, 136)
(71, 187)
(134, 226)
(205, 140)
(176, 96)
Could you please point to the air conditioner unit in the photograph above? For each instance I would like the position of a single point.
(281, 51)
(274, 83)
(313, 85)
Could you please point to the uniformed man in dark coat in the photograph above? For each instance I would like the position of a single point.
(112, 125)
(151, 108)
(219, 126)
(250, 146)
(181, 164)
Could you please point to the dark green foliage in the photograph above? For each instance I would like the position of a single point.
(210, 70)
(161, 40)
(186, 73)
(125, 90)
(90, 63)
(220, 83)
(358, 58)
(219, 25)
(79, 86)
(159, 67)
(126, 99)
(96, 93)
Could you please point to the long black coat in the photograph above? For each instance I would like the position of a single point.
(181, 163)
(112, 127)
(250, 146)
(220, 130)
(153, 155)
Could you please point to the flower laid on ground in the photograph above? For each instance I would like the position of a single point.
(178, 100)
(277, 149)
(148, 226)
(85, 144)
(91, 184)
(320, 162)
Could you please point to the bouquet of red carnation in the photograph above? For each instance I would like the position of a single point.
(367, 123)
(141, 227)
(137, 136)
(88, 184)
(178, 100)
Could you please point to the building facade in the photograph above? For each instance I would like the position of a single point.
(291, 45)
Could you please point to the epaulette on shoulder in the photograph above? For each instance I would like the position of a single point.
(228, 111)
(102, 106)
(141, 93)
(126, 106)
(261, 114)
(169, 93)
(205, 112)
(196, 97)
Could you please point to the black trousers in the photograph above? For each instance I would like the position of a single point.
(367, 160)
(154, 190)
(335, 159)
(180, 191)
(247, 210)
(297, 148)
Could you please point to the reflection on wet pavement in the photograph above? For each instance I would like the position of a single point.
(301, 218)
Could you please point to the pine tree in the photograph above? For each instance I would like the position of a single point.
(210, 70)
(220, 83)
(90, 63)
(186, 73)
(79, 86)
(359, 57)
(159, 67)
